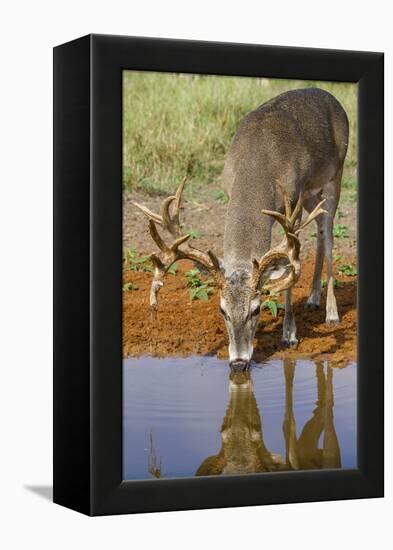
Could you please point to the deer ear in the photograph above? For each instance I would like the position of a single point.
(216, 261)
(274, 271)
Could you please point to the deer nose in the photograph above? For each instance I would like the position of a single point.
(239, 365)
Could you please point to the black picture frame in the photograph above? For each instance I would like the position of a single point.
(88, 275)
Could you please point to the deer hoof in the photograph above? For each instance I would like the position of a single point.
(291, 343)
(332, 321)
(310, 306)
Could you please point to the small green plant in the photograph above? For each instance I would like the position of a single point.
(201, 293)
(273, 306)
(193, 278)
(137, 263)
(129, 287)
(173, 269)
(221, 196)
(198, 289)
(348, 269)
(142, 263)
(337, 257)
(340, 231)
(336, 284)
(194, 233)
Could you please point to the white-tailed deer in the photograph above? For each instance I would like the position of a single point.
(287, 154)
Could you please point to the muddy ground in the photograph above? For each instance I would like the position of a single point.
(184, 327)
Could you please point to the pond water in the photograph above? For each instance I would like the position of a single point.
(192, 416)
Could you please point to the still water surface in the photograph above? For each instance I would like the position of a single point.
(191, 416)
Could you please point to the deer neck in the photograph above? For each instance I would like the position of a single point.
(247, 232)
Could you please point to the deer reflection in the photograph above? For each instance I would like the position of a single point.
(242, 445)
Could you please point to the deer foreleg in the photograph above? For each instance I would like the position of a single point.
(332, 193)
(314, 298)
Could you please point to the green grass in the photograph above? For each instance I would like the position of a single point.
(182, 125)
(220, 196)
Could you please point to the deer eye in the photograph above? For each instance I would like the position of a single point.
(257, 310)
(223, 312)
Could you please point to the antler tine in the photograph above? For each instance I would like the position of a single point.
(298, 209)
(314, 214)
(166, 217)
(287, 220)
(179, 241)
(280, 218)
(157, 238)
(171, 222)
(178, 197)
(149, 214)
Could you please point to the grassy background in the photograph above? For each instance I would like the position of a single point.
(176, 125)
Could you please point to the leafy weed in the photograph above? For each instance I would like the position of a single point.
(198, 289)
(137, 263)
(272, 306)
(129, 287)
(348, 269)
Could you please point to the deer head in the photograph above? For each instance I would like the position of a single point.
(240, 292)
(243, 450)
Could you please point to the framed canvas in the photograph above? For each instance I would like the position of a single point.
(223, 395)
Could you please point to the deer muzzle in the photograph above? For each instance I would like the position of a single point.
(239, 365)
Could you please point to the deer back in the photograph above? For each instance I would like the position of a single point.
(298, 140)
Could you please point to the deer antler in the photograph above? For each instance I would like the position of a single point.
(289, 248)
(172, 252)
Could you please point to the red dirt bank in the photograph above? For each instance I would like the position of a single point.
(185, 328)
